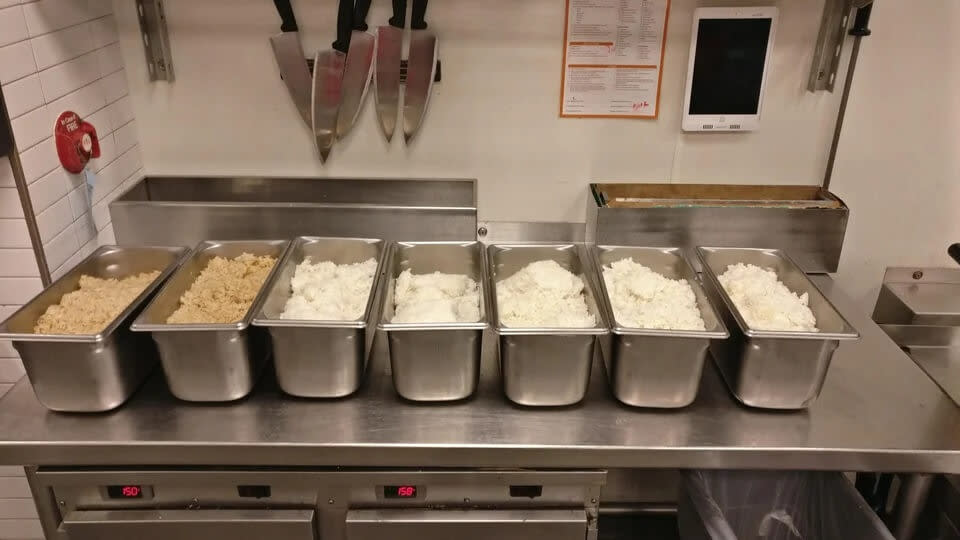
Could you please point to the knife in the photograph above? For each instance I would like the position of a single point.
(421, 70)
(356, 80)
(359, 69)
(327, 84)
(386, 77)
(290, 60)
(327, 93)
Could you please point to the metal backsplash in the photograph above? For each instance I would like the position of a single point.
(805, 221)
(187, 210)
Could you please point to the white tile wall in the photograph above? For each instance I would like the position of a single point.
(18, 263)
(10, 203)
(6, 173)
(48, 190)
(16, 61)
(11, 369)
(23, 96)
(56, 55)
(32, 127)
(72, 61)
(17, 509)
(62, 45)
(40, 159)
(13, 28)
(54, 220)
(13, 234)
(16, 291)
(12, 486)
(71, 75)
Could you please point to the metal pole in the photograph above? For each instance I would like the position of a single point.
(860, 30)
(21, 182)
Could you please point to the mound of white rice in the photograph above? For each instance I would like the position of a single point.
(542, 295)
(765, 302)
(436, 298)
(326, 291)
(642, 298)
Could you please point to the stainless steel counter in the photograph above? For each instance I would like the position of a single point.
(878, 411)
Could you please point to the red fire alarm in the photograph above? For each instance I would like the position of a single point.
(77, 142)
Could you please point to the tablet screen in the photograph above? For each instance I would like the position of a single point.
(728, 67)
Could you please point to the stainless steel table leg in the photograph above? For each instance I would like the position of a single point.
(914, 491)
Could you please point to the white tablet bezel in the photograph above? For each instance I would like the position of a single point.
(723, 122)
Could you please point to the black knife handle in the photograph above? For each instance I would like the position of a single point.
(360, 12)
(954, 252)
(418, 15)
(861, 22)
(287, 18)
(399, 19)
(344, 25)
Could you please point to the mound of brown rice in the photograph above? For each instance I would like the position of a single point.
(93, 306)
(224, 290)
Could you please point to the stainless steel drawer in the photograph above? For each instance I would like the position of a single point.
(416, 524)
(189, 524)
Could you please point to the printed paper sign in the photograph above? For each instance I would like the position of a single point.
(613, 58)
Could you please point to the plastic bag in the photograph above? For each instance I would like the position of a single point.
(745, 505)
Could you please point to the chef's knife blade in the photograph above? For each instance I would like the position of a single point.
(327, 87)
(421, 69)
(290, 60)
(387, 78)
(356, 80)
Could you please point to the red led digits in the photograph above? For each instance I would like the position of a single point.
(400, 492)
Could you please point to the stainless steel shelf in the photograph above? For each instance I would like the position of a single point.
(878, 412)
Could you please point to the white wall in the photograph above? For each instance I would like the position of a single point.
(494, 116)
(898, 164)
(56, 55)
(60, 55)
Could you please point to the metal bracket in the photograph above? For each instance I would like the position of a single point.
(826, 56)
(156, 43)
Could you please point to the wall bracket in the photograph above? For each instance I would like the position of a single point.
(826, 56)
(156, 42)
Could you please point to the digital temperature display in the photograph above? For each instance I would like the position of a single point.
(399, 492)
(125, 492)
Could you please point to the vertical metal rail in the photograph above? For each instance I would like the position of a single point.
(156, 42)
(860, 30)
(20, 182)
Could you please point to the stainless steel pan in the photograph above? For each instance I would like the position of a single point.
(209, 362)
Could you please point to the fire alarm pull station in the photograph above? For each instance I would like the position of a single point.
(77, 142)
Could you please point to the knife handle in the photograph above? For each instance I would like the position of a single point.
(954, 252)
(399, 19)
(344, 25)
(288, 19)
(360, 12)
(419, 13)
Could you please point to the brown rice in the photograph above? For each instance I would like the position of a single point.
(93, 306)
(224, 290)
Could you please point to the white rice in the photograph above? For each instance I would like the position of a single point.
(642, 298)
(543, 295)
(436, 298)
(326, 291)
(765, 302)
